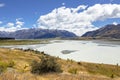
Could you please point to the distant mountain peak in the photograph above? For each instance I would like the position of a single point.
(108, 31)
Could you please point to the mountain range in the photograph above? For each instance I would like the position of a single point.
(37, 33)
(108, 31)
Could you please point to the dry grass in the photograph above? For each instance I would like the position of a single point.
(102, 69)
(22, 42)
(21, 58)
(51, 76)
(83, 71)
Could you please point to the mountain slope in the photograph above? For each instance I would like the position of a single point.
(37, 33)
(109, 31)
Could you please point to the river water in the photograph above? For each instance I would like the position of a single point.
(88, 51)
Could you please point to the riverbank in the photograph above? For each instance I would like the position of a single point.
(23, 42)
(20, 68)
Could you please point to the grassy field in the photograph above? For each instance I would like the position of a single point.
(16, 65)
(22, 42)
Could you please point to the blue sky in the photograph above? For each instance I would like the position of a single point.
(20, 14)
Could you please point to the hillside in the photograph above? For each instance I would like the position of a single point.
(109, 31)
(37, 33)
(15, 64)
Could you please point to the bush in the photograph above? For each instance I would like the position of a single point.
(3, 67)
(72, 70)
(47, 64)
(79, 63)
(112, 76)
(11, 63)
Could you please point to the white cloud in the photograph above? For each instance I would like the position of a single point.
(8, 29)
(78, 20)
(102, 12)
(63, 4)
(115, 23)
(1, 22)
(2, 4)
(11, 27)
(19, 23)
(81, 7)
(10, 24)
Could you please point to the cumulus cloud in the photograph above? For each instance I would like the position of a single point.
(81, 7)
(10, 24)
(19, 23)
(115, 23)
(11, 27)
(2, 4)
(80, 19)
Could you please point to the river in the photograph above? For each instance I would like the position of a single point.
(87, 51)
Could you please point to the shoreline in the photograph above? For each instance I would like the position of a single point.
(76, 48)
(88, 62)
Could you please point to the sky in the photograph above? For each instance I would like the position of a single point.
(78, 16)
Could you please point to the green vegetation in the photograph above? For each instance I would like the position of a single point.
(72, 70)
(47, 64)
(21, 42)
(6, 38)
(5, 65)
(11, 63)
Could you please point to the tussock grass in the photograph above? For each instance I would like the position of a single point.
(107, 70)
(72, 70)
(18, 67)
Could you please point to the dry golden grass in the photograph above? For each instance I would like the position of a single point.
(21, 58)
(50, 76)
(83, 70)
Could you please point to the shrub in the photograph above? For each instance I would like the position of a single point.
(3, 66)
(11, 63)
(112, 76)
(47, 64)
(79, 63)
(73, 70)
